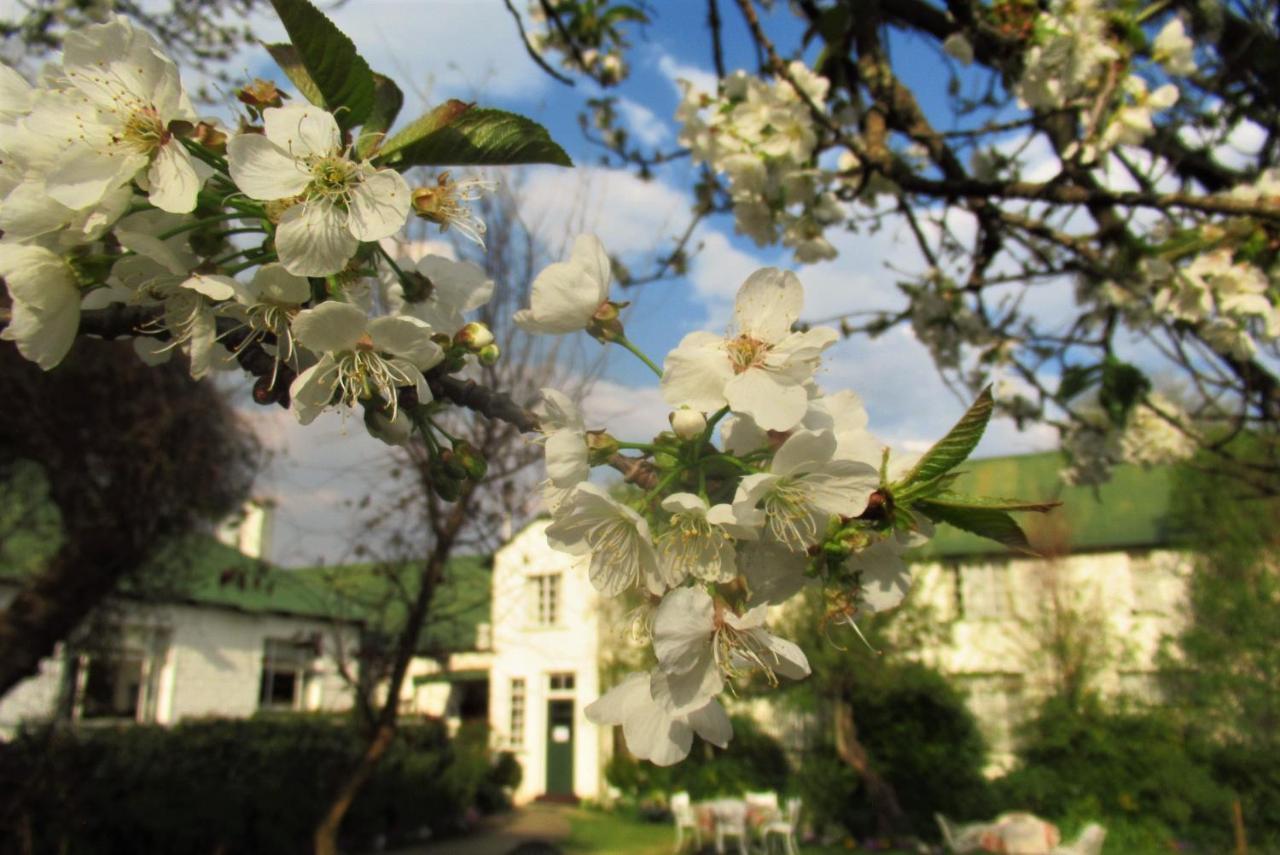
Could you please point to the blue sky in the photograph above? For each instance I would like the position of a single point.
(470, 49)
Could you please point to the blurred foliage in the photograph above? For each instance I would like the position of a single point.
(1136, 769)
(242, 786)
(752, 761)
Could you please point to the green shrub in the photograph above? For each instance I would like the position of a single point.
(920, 738)
(752, 761)
(243, 786)
(1119, 768)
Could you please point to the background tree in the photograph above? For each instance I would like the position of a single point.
(1122, 153)
(433, 507)
(127, 474)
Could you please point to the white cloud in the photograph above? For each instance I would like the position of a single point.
(630, 413)
(455, 48)
(643, 123)
(628, 214)
(675, 70)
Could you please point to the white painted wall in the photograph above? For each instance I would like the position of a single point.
(212, 665)
(522, 649)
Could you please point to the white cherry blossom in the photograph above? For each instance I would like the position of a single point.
(653, 730)
(341, 202)
(591, 522)
(804, 487)
(360, 358)
(761, 369)
(45, 303)
(111, 119)
(699, 539)
(452, 289)
(566, 295)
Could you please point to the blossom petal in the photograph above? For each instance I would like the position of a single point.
(682, 628)
(589, 254)
(567, 458)
(696, 372)
(563, 299)
(407, 337)
(302, 130)
(277, 285)
(768, 303)
(614, 705)
(379, 205)
(312, 390)
(175, 180)
(772, 405)
(262, 170)
(804, 451)
(656, 737)
(330, 327)
(313, 240)
(712, 724)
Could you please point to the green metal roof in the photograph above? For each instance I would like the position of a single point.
(1131, 511)
(376, 592)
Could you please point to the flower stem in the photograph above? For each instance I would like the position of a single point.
(200, 223)
(639, 354)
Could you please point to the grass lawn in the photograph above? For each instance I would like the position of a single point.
(615, 834)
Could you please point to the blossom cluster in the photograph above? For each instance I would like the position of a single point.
(116, 192)
(761, 135)
(1156, 432)
(1077, 57)
(763, 486)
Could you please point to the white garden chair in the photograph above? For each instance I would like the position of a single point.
(682, 810)
(762, 809)
(785, 827)
(961, 838)
(731, 821)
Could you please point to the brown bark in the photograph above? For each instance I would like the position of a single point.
(890, 819)
(446, 533)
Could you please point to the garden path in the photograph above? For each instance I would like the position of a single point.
(535, 823)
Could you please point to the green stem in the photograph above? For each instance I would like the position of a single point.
(200, 223)
(224, 259)
(453, 440)
(636, 446)
(255, 262)
(639, 354)
(217, 161)
(395, 268)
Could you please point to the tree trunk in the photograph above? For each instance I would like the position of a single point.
(890, 819)
(51, 605)
(325, 839)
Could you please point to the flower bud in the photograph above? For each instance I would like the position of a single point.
(471, 459)
(687, 423)
(391, 431)
(489, 354)
(261, 94)
(600, 447)
(474, 336)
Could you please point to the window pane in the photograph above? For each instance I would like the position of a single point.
(516, 735)
(113, 687)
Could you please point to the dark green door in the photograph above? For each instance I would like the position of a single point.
(559, 748)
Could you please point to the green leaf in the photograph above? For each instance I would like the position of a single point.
(991, 523)
(445, 114)
(387, 101)
(1122, 386)
(340, 75)
(954, 448)
(481, 137)
(954, 500)
(286, 56)
(1075, 379)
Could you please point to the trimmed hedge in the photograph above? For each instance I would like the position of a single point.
(235, 786)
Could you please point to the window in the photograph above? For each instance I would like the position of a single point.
(286, 666)
(562, 682)
(111, 685)
(544, 593)
(516, 734)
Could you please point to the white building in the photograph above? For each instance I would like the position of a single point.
(239, 639)
(1107, 565)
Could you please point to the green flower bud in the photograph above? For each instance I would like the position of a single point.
(489, 354)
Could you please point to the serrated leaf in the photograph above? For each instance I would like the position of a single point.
(990, 523)
(434, 120)
(955, 500)
(387, 101)
(954, 448)
(482, 137)
(340, 74)
(286, 56)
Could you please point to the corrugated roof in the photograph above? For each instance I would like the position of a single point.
(1131, 511)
